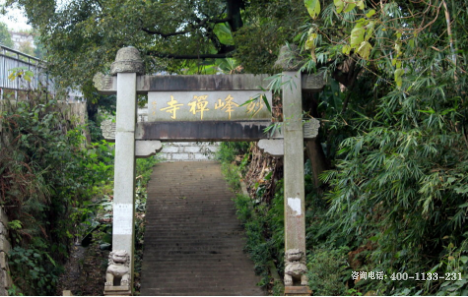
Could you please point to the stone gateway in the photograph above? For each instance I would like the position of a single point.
(205, 108)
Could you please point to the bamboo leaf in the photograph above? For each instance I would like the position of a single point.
(369, 31)
(360, 4)
(398, 74)
(346, 49)
(339, 5)
(310, 42)
(313, 7)
(265, 100)
(370, 13)
(349, 6)
(224, 34)
(364, 50)
(357, 35)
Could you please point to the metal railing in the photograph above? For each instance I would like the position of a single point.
(11, 59)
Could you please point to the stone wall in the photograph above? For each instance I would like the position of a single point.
(75, 110)
(188, 151)
(5, 278)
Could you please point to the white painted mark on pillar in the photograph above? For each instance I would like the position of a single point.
(123, 218)
(295, 205)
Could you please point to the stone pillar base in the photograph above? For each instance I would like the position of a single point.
(297, 291)
(117, 291)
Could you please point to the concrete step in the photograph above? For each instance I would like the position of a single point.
(192, 261)
(196, 234)
(205, 291)
(171, 276)
(193, 241)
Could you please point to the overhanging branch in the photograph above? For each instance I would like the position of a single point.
(164, 35)
(191, 57)
(200, 23)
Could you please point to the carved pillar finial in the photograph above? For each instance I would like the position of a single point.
(128, 60)
(289, 58)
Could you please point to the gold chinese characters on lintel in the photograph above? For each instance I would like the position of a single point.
(193, 106)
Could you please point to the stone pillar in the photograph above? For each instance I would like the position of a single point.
(294, 191)
(126, 67)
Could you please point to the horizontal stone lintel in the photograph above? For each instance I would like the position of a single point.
(234, 82)
(202, 131)
(177, 131)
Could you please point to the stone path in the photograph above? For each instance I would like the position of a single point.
(193, 241)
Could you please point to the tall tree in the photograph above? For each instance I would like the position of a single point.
(5, 37)
(83, 36)
(396, 131)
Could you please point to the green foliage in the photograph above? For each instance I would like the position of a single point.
(394, 121)
(231, 174)
(395, 129)
(229, 150)
(13, 291)
(144, 168)
(84, 36)
(5, 37)
(47, 180)
(265, 237)
(328, 271)
(224, 33)
(263, 222)
(455, 265)
(278, 288)
(227, 153)
(313, 7)
(264, 226)
(21, 73)
(36, 266)
(244, 209)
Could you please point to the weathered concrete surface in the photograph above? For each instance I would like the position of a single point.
(108, 130)
(145, 149)
(273, 147)
(167, 83)
(126, 67)
(297, 291)
(311, 128)
(202, 131)
(128, 60)
(206, 131)
(294, 205)
(193, 240)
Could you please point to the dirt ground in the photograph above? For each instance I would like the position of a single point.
(85, 272)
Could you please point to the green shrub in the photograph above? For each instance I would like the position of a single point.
(228, 151)
(48, 179)
(328, 271)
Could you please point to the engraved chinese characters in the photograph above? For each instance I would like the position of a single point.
(206, 106)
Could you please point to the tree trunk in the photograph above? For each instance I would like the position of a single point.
(318, 160)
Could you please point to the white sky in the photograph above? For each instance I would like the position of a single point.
(15, 19)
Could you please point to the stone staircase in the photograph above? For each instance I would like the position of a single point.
(193, 241)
